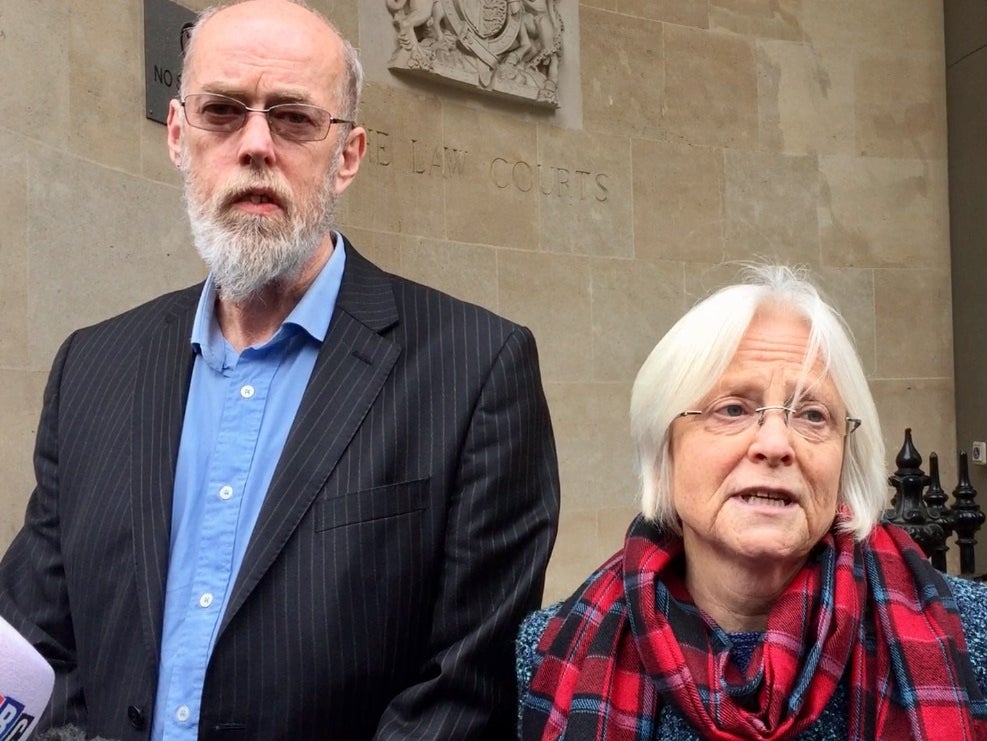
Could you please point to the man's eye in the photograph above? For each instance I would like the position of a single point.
(293, 117)
(220, 110)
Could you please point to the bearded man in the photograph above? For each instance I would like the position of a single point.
(305, 499)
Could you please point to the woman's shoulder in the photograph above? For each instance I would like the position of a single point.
(971, 603)
(526, 648)
(600, 588)
(534, 625)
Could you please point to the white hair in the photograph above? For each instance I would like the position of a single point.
(696, 351)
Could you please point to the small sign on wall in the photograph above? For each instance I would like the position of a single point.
(166, 31)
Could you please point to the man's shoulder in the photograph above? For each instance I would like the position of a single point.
(419, 300)
(114, 338)
(161, 307)
(414, 293)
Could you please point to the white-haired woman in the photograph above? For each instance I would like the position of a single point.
(758, 596)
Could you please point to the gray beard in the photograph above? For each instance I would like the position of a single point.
(247, 253)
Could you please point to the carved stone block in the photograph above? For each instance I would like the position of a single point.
(510, 48)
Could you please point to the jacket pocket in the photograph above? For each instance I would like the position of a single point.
(379, 503)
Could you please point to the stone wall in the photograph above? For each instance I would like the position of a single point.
(694, 134)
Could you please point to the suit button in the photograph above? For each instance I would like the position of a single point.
(135, 714)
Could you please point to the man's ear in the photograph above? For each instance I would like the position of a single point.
(350, 157)
(174, 129)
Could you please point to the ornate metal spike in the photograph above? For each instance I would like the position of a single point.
(908, 458)
(908, 509)
(935, 506)
(967, 517)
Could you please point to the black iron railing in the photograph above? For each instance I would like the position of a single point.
(920, 507)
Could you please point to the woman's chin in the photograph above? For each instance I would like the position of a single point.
(769, 546)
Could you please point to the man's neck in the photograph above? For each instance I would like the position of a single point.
(255, 319)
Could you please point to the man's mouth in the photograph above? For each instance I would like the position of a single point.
(255, 196)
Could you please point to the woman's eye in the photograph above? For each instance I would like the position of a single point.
(731, 409)
(814, 415)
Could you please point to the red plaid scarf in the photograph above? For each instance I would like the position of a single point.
(631, 639)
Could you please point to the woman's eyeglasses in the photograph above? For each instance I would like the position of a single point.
(810, 420)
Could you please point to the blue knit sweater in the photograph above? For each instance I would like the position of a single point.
(971, 600)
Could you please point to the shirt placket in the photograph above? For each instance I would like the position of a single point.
(223, 490)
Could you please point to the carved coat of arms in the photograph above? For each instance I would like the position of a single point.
(508, 47)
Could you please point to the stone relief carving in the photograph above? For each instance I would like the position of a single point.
(507, 47)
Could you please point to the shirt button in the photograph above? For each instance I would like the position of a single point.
(205, 600)
(182, 714)
(247, 392)
(226, 492)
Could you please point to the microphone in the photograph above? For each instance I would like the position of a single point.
(26, 682)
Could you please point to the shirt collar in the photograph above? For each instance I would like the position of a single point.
(309, 315)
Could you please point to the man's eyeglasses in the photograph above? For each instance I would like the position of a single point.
(297, 122)
(811, 420)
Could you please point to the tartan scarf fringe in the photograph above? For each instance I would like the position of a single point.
(630, 639)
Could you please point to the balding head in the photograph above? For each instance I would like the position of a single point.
(280, 20)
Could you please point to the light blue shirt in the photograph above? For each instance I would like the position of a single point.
(240, 408)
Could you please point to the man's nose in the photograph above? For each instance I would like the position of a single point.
(256, 139)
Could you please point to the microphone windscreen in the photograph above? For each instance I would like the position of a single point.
(26, 682)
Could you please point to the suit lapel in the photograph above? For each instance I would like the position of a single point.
(161, 390)
(353, 364)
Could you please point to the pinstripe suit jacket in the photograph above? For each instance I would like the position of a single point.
(404, 535)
